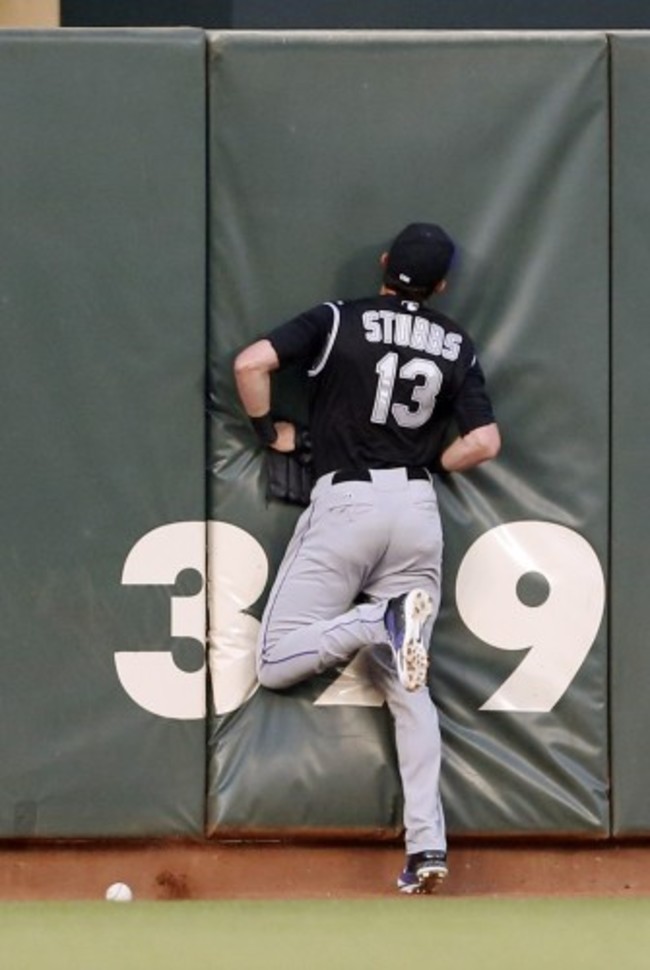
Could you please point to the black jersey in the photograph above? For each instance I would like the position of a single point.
(387, 375)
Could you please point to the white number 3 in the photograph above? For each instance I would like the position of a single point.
(557, 625)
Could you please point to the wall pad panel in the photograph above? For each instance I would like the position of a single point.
(102, 302)
(322, 147)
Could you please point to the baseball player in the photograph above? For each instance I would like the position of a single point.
(362, 570)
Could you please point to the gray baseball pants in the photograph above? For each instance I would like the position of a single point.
(380, 538)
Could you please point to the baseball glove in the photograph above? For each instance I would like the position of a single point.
(290, 474)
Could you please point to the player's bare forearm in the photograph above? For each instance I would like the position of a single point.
(481, 444)
(253, 367)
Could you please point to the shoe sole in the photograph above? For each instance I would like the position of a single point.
(432, 881)
(429, 881)
(413, 658)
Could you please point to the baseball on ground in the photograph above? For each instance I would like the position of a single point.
(119, 892)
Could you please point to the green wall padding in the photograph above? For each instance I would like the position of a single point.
(102, 309)
(322, 146)
(630, 716)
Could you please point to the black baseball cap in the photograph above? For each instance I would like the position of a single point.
(419, 257)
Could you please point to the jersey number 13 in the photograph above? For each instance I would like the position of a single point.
(423, 395)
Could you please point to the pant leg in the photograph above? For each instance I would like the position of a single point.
(309, 623)
(418, 743)
(413, 559)
(413, 554)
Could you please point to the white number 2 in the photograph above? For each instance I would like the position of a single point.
(557, 629)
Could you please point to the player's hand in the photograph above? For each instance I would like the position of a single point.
(286, 439)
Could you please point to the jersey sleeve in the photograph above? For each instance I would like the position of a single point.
(472, 405)
(303, 338)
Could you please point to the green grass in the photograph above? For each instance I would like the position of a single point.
(486, 934)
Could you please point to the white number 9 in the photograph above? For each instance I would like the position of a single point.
(558, 632)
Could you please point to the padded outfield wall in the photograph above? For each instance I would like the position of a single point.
(102, 369)
(322, 145)
(319, 147)
(630, 716)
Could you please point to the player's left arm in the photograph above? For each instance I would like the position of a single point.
(475, 447)
(253, 368)
(479, 439)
